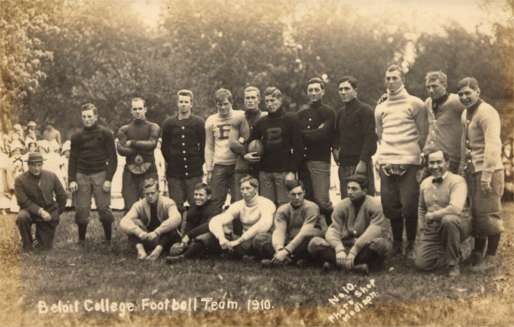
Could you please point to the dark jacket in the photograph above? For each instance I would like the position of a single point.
(317, 141)
(183, 144)
(281, 137)
(197, 218)
(92, 151)
(355, 133)
(36, 192)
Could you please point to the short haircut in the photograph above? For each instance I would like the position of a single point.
(150, 182)
(359, 179)
(253, 88)
(222, 95)
(468, 81)
(350, 79)
(203, 186)
(316, 80)
(273, 91)
(185, 93)
(437, 76)
(134, 99)
(89, 106)
(446, 156)
(395, 68)
(291, 184)
(252, 180)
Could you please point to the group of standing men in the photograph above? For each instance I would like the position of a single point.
(283, 159)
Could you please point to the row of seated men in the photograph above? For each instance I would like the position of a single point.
(358, 238)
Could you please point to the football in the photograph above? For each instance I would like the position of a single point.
(256, 146)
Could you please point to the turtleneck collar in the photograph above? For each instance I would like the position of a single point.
(316, 104)
(139, 121)
(397, 93)
(252, 202)
(277, 113)
(90, 128)
(252, 113)
(441, 100)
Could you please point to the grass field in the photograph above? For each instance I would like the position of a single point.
(96, 273)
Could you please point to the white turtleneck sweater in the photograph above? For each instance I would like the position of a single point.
(256, 217)
(402, 127)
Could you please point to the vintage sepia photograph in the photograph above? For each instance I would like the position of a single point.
(256, 163)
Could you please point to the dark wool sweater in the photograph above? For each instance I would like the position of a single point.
(197, 218)
(92, 151)
(144, 135)
(281, 137)
(317, 141)
(183, 144)
(355, 133)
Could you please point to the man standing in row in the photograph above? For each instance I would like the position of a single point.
(317, 124)
(355, 140)
(42, 199)
(183, 143)
(401, 124)
(137, 142)
(223, 128)
(444, 111)
(281, 138)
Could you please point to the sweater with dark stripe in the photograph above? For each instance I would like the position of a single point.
(92, 151)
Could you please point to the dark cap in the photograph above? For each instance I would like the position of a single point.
(359, 179)
(34, 157)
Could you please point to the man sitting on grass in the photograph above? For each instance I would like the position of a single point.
(441, 220)
(152, 222)
(296, 223)
(196, 236)
(256, 215)
(359, 237)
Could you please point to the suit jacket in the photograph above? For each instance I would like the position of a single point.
(44, 191)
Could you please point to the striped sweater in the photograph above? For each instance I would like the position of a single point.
(401, 124)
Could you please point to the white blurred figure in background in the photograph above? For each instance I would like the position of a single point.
(160, 163)
(117, 183)
(6, 182)
(63, 170)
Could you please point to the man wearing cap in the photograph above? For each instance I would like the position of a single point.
(317, 125)
(137, 142)
(359, 237)
(444, 112)
(442, 223)
(223, 131)
(355, 140)
(42, 199)
(151, 223)
(183, 143)
(91, 167)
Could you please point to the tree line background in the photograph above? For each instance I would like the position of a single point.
(58, 54)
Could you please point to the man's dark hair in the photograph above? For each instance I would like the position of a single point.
(350, 79)
(291, 184)
(252, 180)
(468, 81)
(203, 186)
(149, 182)
(359, 179)
(186, 93)
(89, 106)
(446, 156)
(316, 80)
(223, 94)
(273, 91)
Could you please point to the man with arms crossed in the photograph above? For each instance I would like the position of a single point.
(91, 166)
(137, 142)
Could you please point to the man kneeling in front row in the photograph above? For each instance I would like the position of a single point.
(359, 237)
(152, 222)
(296, 224)
(443, 226)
